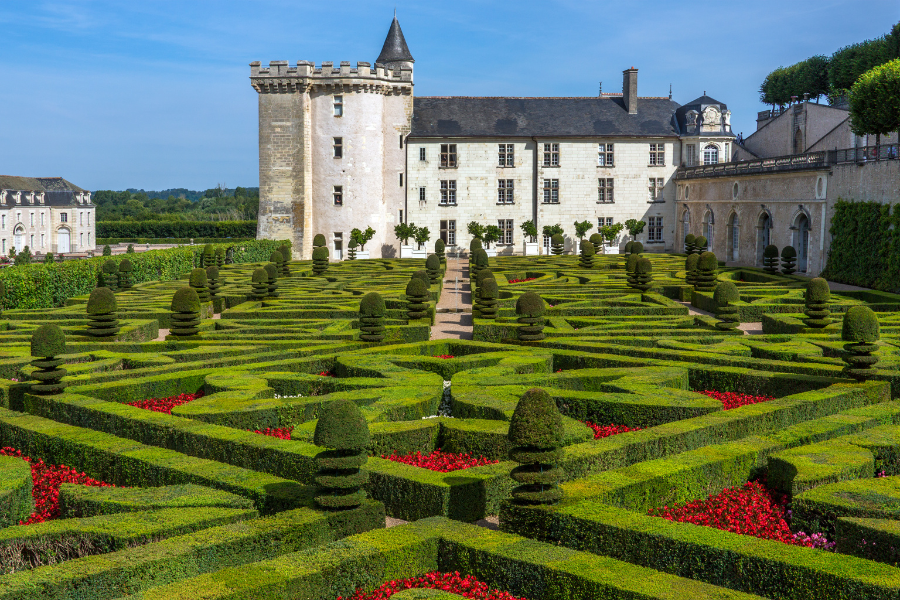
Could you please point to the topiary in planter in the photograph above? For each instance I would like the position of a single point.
(707, 272)
(220, 256)
(586, 255)
(197, 281)
(320, 260)
(285, 263)
(860, 331)
(597, 241)
(319, 241)
(277, 258)
(185, 313)
(818, 296)
(371, 317)
(416, 299)
(725, 295)
(125, 270)
(440, 249)
(212, 281)
(260, 284)
(788, 260)
(700, 243)
(48, 342)
(557, 242)
(101, 314)
(643, 275)
(208, 256)
(487, 296)
(690, 268)
(637, 248)
(628, 246)
(536, 440)
(689, 244)
(530, 310)
(770, 259)
(433, 267)
(343, 430)
(271, 280)
(351, 249)
(109, 275)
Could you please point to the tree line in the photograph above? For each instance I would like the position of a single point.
(215, 204)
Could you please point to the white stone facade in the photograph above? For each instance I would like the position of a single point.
(39, 220)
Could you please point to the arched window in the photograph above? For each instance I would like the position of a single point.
(685, 225)
(710, 155)
(734, 234)
(707, 228)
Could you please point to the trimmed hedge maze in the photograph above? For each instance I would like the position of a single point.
(177, 457)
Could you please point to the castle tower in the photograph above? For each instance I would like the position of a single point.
(331, 148)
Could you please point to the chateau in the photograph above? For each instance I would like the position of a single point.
(47, 214)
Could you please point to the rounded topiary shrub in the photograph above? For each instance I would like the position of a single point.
(197, 280)
(630, 265)
(788, 260)
(48, 343)
(440, 249)
(320, 260)
(185, 313)
(637, 248)
(690, 268)
(423, 275)
(483, 276)
(352, 245)
(707, 272)
(480, 262)
(286, 259)
(109, 275)
(700, 243)
(319, 241)
(475, 244)
(586, 255)
(371, 317)
(530, 312)
(416, 299)
(343, 431)
(557, 243)
(433, 267)
(817, 299)
(125, 271)
(628, 246)
(536, 440)
(220, 256)
(101, 314)
(860, 330)
(690, 245)
(207, 256)
(597, 241)
(213, 284)
(770, 259)
(260, 284)
(725, 295)
(642, 280)
(487, 296)
(277, 259)
(271, 270)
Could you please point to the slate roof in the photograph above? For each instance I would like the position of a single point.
(395, 48)
(37, 184)
(463, 116)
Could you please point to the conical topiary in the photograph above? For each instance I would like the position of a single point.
(630, 266)
(213, 284)
(689, 244)
(725, 295)
(597, 240)
(421, 274)
(101, 314)
(481, 262)
(351, 249)
(185, 313)
(416, 299)
(197, 281)
(690, 268)
(277, 259)
(343, 431)
(557, 243)
(125, 270)
(643, 275)
(628, 246)
(220, 256)
(48, 342)
(770, 259)
(860, 330)
(320, 260)
(536, 440)
(707, 272)
(319, 241)
(439, 249)
(818, 296)
(586, 255)
(483, 276)
(530, 310)
(285, 263)
(487, 295)
(700, 243)
(207, 256)
(788, 260)
(260, 284)
(371, 317)
(433, 267)
(109, 275)
(271, 270)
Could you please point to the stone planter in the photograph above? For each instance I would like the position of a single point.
(611, 249)
(362, 254)
(531, 249)
(491, 252)
(406, 251)
(423, 254)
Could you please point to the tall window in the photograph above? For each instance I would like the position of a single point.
(448, 155)
(546, 244)
(505, 191)
(448, 191)
(421, 194)
(3, 219)
(605, 155)
(551, 155)
(656, 189)
(601, 221)
(422, 153)
(32, 219)
(690, 155)
(338, 195)
(655, 229)
(338, 147)
(63, 217)
(605, 191)
(551, 191)
(506, 231)
(448, 232)
(657, 155)
(339, 106)
(42, 241)
(710, 155)
(505, 156)
(401, 179)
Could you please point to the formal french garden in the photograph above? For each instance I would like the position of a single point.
(223, 422)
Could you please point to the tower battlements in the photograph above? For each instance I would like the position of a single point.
(280, 76)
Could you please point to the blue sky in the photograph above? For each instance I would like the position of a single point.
(154, 94)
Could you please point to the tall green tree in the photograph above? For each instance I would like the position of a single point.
(875, 101)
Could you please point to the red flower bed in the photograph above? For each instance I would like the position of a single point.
(735, 400)
(443, 356)
(165, 405)
(467, 587)
(441, 461)
(46, 480)
(521, 280)
(602, 431)
(326, 374)
(282, 433)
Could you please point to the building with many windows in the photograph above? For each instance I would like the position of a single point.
(47, 214)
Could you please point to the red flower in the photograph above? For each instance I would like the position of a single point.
(602, 431)
(165, 405)
(282, 433)
(443, 462)
(521, 280)
(735, 400)
(443, 356)
(467, 587)
(326, 374)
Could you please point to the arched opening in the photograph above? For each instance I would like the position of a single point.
(801, 241)
(707, 228)
(733, 233)
(19, 238)
(685, 226)
(63, 241)
(763, 236)
(798, 142)
(711, 155)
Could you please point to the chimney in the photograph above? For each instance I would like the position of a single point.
(629, 90)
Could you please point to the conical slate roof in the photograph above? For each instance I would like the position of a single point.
(395, 48)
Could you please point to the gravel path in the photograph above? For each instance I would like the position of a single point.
(456, 300)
